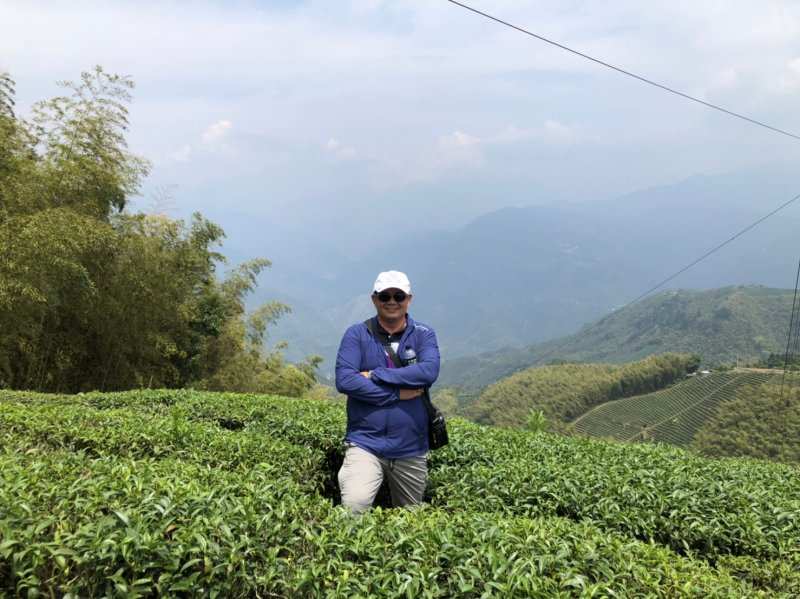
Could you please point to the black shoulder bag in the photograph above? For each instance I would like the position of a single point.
(437, 427)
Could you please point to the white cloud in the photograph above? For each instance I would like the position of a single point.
(216, 132)
(211, 140)
(513, 134)
(558, 133)
(550, 132)
(183, 154)
(458, 139)
(790, 80)
(725, 79)
(339, 150)
(360, 7)
(459, 148)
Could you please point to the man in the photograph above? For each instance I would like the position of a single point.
(387, 421)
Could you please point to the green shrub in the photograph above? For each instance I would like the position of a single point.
(761, 421)
(536, 422)
(188, 493)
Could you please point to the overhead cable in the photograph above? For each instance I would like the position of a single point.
(713, 250)
(792, 321)
(624, 72)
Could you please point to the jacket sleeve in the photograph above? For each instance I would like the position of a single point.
(349, 379)
(422, 374)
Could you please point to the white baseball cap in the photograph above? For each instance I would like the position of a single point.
(392, 279)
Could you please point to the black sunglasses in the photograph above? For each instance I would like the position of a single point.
(385, 296)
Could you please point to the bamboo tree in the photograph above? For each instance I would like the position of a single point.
(93, 297)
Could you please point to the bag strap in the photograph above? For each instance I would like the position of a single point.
(370, 322)
(426, 397)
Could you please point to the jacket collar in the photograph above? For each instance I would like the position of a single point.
(410, 324)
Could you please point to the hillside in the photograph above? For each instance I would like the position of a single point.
(149, 493)
(564, 392)
(525, 273)
(673, 415)
(758, 421)
(721, 325)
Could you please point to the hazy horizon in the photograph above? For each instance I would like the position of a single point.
(265, 106)
(319, 137)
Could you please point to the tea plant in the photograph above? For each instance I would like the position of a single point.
(188, 493)
(673, 415)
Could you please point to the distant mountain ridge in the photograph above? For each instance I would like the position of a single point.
(523, 275)
(721, 325)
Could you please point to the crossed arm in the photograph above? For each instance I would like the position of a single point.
(421, 374)
(401, 393)
(384, 386)
(352, 383)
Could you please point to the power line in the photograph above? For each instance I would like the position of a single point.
(713, 250)
(791, 328)
(624, 72)
(693, 99)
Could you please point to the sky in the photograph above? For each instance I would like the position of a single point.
(249, 109)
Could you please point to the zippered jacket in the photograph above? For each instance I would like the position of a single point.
(377, 420)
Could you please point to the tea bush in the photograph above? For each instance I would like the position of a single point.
(185, 493)
(654, 493)
(676, 414)
(121, 527)
(135, 527)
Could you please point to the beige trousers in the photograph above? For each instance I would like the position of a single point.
(362, 473)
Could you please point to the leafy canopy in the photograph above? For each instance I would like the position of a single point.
(95, 297)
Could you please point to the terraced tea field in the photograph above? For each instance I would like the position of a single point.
(184, 494)
(670, 416)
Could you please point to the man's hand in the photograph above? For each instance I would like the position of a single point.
(410, 393)
(404, 393)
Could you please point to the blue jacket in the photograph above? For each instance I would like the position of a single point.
(377, 420)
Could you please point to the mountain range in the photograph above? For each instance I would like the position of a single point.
(527, 274)
(726, 325)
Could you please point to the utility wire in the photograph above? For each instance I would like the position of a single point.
(791, 348)
(713, 250)
(793, 378)
(624, 72)
(791, 329)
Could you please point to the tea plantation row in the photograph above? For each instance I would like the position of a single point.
(670, 416)
(166, 492)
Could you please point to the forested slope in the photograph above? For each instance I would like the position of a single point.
(721, 325)
(564, 392)
(760, 420)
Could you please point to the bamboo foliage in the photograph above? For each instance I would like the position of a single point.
(759, 420)
(93, 296)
